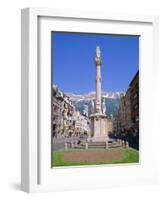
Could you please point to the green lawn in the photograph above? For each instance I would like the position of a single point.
(128, 156)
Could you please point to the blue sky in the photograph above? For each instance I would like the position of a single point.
(74, 67)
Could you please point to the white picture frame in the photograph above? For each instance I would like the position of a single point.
(36, 173)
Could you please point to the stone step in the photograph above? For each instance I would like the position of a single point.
(97, 146)
(97, 143)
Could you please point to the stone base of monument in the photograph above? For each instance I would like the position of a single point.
(99, 139)
(99, 128)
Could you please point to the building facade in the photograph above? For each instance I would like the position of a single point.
(126, 122)
(134, 99)
(66, 121)
(110, 126)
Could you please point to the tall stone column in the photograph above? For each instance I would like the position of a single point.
(98, 63)
(98, 118)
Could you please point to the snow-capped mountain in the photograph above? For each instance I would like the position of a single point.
(112, 100)
(91, 96)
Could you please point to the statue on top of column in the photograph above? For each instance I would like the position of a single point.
(98, 52)
(98, 60)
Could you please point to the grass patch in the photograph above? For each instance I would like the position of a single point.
(127, 156)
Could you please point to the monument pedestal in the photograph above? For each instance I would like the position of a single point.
(99, 128)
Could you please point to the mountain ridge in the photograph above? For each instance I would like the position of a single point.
(91, 95)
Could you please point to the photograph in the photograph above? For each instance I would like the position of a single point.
(94, 99)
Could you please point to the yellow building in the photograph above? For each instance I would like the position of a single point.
(110, 126)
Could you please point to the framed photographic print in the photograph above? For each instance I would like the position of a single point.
(87, 109)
